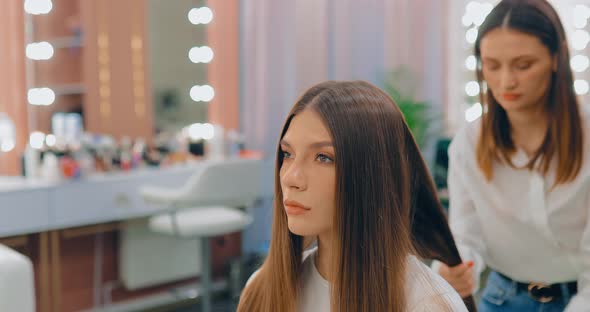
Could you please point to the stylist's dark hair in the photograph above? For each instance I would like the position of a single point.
(387, 208)
(564, 137)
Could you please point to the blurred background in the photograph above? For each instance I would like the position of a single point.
(104, 101)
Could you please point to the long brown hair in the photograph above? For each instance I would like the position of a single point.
(564, 137)
(384, 199)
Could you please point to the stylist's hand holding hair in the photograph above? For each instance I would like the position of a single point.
(460, 277)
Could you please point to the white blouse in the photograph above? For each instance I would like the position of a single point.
(515, 224)
(426, 290)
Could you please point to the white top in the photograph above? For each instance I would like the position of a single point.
(515, 224)
(425, 289)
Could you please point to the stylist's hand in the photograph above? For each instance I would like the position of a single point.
(460, 277)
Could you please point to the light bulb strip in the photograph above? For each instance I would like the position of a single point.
(203, 54)
(103, 57)
(138, 71)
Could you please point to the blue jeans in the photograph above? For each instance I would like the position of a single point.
(501, 294)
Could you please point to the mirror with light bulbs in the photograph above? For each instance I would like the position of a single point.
(174, 64)
(179, 58)
(104, 71)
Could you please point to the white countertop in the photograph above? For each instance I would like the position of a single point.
(28, 206)
(19, 183)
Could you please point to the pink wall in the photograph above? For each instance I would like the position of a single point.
(12, 80)
(115, 60)
(223, 71)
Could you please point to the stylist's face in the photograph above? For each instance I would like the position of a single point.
(308, 175)
(517, 68)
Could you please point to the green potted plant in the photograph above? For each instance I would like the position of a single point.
(401, 84)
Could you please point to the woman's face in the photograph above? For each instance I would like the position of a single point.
(308, 175)
(517, 68)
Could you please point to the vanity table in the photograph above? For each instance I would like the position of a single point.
(51, 216)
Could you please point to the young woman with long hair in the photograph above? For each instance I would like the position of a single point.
(519, 178)
(349, 173)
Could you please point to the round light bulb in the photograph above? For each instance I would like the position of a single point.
(200, 54)
(472, 88)
(202, 15)
(195, 131)
(581, 86)
(39, 51)
(50, 140)
(580, 39)
(471, 62)
(466, 20)
(36, 139)
(203, 93)
(581, 15)
(473, 112)
(471, 35)
(579, 63)
(37, 7)
(7, 145)
(207, 93)
(208, 131)
(206, 15)
(7, 133)
(41, 96)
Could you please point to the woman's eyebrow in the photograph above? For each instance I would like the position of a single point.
(321, 144)
(312, 145)
(283, 142)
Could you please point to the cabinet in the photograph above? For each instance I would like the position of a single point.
(98, 67)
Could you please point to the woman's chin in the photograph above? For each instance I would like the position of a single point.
(517, 106)
(301, 228)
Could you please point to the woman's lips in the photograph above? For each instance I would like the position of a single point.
(294, 208)
(295, 211)
(511, 96)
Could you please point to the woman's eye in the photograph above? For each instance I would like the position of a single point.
(286, 155)
(324, 159)
(524, 66)
(491, 66)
